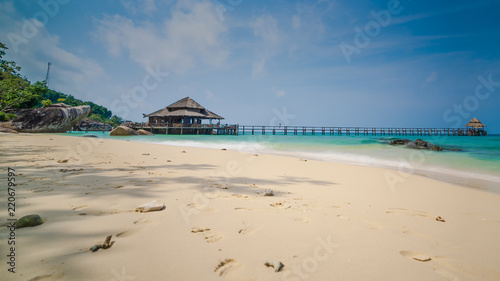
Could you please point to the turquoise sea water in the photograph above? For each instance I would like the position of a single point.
(478, 160)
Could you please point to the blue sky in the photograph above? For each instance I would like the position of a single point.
(325, 63)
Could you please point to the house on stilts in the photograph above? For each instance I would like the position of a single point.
(186, 116)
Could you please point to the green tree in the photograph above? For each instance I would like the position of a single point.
(115, 120)
(17, 92)
(46, 103)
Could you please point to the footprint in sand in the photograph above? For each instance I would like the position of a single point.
(142, 221)
(415, 213)
(45, 276)
(249, 228)
(95, 212)
(368, 224)
(226, 266)
(409, 212)
(243, 209)
(445, 267)
(416, 256)
(127, 233)
(209, 235)
(200, 207)
(42, 189)
(74, 208)
(239, 195)
(302, 220)
(281, 205)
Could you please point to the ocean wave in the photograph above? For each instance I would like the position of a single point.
(370, 153)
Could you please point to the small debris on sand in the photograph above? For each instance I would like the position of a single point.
(440, 219)
(277, 265)
(106, 245)
(149, 207)
(421, 258)
(268, 192)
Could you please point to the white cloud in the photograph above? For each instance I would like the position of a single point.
(432, 77)
(296, 22)
(258, 68)
(192, 35)
(69, 73)
(266, 27)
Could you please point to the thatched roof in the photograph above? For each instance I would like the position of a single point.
(474, 123)
(186, 102)
(185, 107)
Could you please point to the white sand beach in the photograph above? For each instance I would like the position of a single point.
(326, 221)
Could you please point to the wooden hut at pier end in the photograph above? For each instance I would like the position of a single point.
(185, 116)
(182, 113)
(475, 128)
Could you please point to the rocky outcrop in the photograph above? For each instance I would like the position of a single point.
(144, 132)
(56, 118)
(417, 144)
(128, 124)
(8, 130)
(123, 131)
(92, 125)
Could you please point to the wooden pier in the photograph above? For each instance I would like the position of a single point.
(191, 129)
(357, 131)
(204, 129)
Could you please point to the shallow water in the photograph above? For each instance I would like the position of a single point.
(478, 160)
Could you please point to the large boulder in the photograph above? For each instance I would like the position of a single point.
(8, 130)
(144, 132)
(56, 118)
(123, 131)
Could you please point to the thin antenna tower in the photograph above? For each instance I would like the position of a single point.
(47, 76)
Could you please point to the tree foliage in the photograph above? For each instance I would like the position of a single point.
(17, 92)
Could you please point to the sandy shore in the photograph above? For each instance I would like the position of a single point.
(326, 221)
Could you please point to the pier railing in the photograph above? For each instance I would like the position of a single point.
(181, 129)
(237, 129)
(347, 131)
